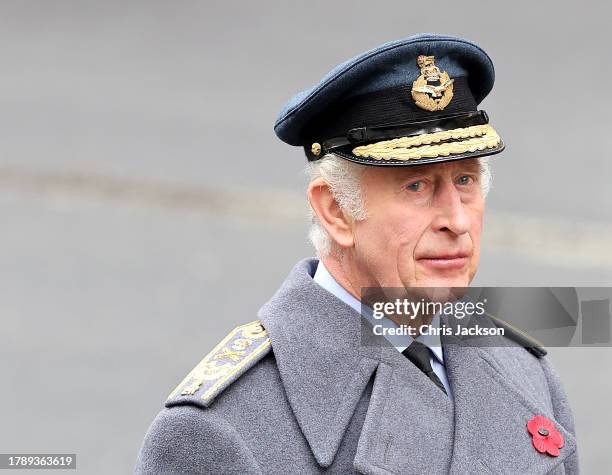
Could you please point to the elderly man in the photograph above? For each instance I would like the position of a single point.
(397, 154)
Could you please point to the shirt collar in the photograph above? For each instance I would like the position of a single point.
(324, 279)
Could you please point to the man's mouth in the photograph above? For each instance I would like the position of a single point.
(456, 260)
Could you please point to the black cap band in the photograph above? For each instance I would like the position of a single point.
(364, 135)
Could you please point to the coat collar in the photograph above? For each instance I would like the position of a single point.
(410, 425)
(323, 367)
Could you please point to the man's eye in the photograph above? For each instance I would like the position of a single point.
(465, 180)
(416, 186)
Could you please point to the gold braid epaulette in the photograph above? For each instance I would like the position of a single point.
(225, 362)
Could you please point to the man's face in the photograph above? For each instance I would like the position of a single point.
(423, 226)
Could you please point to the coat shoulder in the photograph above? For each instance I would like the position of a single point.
(185, 439)
(239, 351)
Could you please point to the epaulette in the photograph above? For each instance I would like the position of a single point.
(234, 355)
(532, 345)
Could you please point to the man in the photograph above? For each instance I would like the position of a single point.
(398, 161)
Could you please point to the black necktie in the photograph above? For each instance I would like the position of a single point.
(418, 353)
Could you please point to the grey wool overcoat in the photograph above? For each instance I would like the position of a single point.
(296, 392)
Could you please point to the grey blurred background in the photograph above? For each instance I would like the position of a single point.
(147, 207)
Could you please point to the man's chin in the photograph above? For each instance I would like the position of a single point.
(442, 281)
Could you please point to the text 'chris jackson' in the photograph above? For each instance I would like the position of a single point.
(459, 330)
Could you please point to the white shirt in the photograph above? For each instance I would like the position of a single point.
(323, 278)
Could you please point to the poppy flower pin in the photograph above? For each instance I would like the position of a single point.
(544, 435)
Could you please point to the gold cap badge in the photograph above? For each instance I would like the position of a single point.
(433, 89)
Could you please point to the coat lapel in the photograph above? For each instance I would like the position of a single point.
(409, 423)
(323, 367)
(497, 390)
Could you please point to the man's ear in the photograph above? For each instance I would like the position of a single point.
(335, 221)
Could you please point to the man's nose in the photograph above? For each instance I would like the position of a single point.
(451, 211)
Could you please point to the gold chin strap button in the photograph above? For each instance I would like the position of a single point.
(316, 149)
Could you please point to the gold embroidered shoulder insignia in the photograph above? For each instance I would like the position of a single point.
(235, 354)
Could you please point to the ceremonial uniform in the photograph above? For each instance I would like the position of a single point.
(296, 393)
(299, 391)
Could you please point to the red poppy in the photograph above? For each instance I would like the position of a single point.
(545, 437)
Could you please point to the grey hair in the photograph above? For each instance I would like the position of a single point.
(344, 180)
